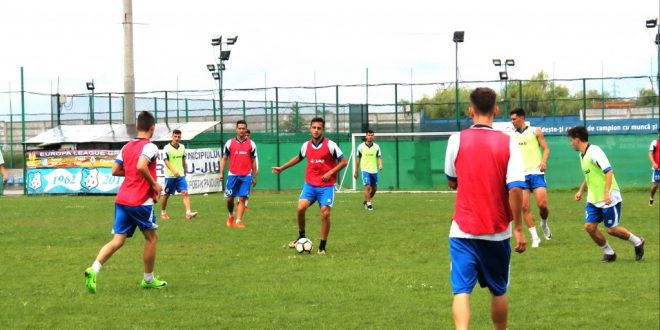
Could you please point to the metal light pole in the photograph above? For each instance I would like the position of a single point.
(458, 37)
(653, 23)
(90, 87)
(217, 73)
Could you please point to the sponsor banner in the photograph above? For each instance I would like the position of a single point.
(90, 171)
(552, 126)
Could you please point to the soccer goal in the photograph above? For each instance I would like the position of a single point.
(411, 162)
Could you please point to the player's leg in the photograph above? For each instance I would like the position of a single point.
(541, 197)
(612, 217)
(170, 188)
(301, 209)
(367, 189)
(242, 193)
(499, 310)
(594, 215)
(182, 187)
(460, 309)
(373, 184)
(528, 216)
(326, 198)
(655, 180)
(163, 207)
(230, 193)
(149, 254)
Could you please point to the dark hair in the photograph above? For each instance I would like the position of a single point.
(176, 132)
(317, 120)
(145, 120)
(247, 131)
(518, 112)
(370, 131)
(579, 132)
(241, 121)
(483, 100)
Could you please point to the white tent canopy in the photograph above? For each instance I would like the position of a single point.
(115, 133)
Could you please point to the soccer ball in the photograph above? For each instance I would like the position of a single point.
(304, 245)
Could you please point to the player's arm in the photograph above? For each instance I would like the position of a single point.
(342, 163)
(653, 163)
(143, 169)
(580, 191)
(450, 160)
(183, 163)
(546, 150)
(293, 161)
(255, 171)
(357, 166)
(608, 186)
(223, 163)
(169, 166)
(380, 160)
(5, 175)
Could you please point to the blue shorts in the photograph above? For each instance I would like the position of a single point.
(370, 179)
(655, 176)
(175, 185)
(324, 195)
(129, 217)
(482, 260)
(533, 181)
(610, 216)
(238, 186)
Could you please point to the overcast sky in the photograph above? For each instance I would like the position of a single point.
(293, 43)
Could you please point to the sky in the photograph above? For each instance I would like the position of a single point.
(62, 44)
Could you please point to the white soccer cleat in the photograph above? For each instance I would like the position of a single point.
(536, 242)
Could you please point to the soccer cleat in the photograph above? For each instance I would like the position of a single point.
(650, 201)
(370, 207)
(155, 284)
(639, 250)
(164, 216)
(536, 242)
(230, 221)
(608, 258)
(546, 232)
(90, 280)
(191, 215)
(320, 252)
(239, 224)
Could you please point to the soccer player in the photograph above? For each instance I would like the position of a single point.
(134, 203)
(654, 157)
(324, 161)
(256, 159)
(175, 175)
(603, 196)
(486, 167)
(369, 160)
(242, 154)
(3, 170)
(530, 139)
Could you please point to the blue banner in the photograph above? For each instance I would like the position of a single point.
(72, 181)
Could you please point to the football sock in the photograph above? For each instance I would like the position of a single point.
(322, 245)
(163, 211)
(544, 222)
(532, 230)
(188, 212)
(301, 234)
(634, 239)
(238, 220)
(607, 249)
(148, 277)
(368, 203)
(96, 267)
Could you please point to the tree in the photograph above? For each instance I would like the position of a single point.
(293, 121)
(646, 96)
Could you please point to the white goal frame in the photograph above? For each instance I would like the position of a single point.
(354, 145)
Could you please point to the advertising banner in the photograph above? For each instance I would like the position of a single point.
(90, 171)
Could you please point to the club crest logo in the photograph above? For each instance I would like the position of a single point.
(90, 178)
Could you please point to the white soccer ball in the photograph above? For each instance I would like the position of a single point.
(304, 245)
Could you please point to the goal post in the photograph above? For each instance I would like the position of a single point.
(417, 148)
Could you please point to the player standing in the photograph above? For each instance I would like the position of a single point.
(324, 161)
(242, 154)
(175, 175)
(3, 170)
(134, 202)
(368, 159)
(654, 157)
(530, 139)
(486, 167)
(603, 196)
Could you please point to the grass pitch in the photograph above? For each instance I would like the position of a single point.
(385, 269)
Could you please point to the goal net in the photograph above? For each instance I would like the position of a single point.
(411, 162)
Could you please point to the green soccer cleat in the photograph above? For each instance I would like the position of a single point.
(155, 284)
(90, 280)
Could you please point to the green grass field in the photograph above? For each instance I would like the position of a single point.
(384, 269)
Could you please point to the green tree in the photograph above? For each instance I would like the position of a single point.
(646, 96)
(293, 121)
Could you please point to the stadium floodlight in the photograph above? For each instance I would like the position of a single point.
(459, 36)
(509, 62)
(210, 67)
(497, 62)
(221, 66)
(657, 39)
(216, 75)
(651, 23)
(216, 41)
(90, 85)
(231, 41)
(224, 55)
(504, 75)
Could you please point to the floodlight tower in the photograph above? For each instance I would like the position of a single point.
(90, 87)
(217, 73)
(651, 24)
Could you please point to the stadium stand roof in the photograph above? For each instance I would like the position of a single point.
(115, 133)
